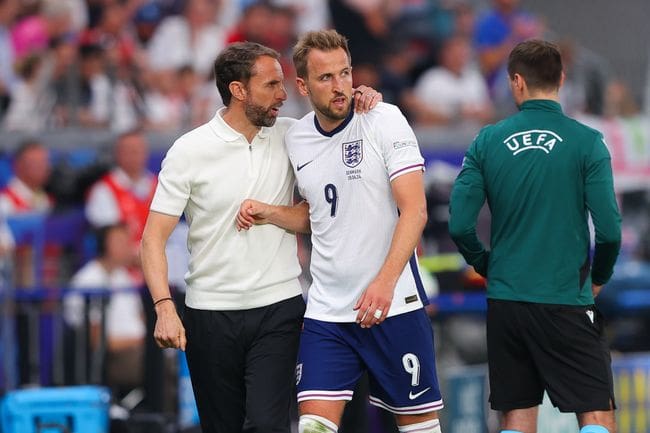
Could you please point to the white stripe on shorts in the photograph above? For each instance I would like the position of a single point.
(407, 410)
(325, 395)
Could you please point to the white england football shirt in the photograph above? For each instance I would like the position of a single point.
(345, 176)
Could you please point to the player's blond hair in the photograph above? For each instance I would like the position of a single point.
(325, 40)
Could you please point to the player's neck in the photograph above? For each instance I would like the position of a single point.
(328, 124)
(237, 120)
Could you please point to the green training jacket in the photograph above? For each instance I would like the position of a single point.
(542, 173)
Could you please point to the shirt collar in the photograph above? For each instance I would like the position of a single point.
(227, 133)
(541, 104)
(339, 128)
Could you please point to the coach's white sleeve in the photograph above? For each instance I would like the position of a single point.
(173, 190)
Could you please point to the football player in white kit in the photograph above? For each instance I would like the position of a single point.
(362, 178)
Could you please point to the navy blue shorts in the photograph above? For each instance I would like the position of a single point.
(398, 355)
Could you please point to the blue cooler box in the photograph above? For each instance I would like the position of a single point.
(79, 409)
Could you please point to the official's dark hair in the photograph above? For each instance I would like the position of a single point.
(538, 62)
(325, 40)
(236, 63)
(102, 233)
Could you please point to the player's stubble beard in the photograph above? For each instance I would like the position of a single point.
(259, 115)
(326, 111)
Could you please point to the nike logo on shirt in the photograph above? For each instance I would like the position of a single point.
(417, 394)
(301, 166)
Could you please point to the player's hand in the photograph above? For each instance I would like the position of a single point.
(251, 212)
(169, 331)
(595, 289)
(374, 304)
(366, 98)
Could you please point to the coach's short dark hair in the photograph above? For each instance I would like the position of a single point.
(538, 62)
(236, 63)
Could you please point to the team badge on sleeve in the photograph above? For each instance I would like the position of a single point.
(352, 153)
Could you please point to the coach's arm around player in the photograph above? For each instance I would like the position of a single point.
(293, 218)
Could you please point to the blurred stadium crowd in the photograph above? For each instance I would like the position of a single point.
(121, 64)
(140, 67)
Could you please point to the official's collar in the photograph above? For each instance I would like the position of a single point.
(541, 104)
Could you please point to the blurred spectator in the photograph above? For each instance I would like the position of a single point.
(189, 88)
(366, 23)
(284, 34)
(95, 8)
(400, 58)
(619, 101)
(193, 38)
(146, 20)
(113, 35)
(310, 14)
(426, 21)
(7, 243)
(166, 109)
(33, 34)
(129, 105)
(206, 100)
(464, 19)
(96, 102)
(228, 12)
(78, 14)
(253, 25)
(124, 194)
(585, 80)
(8, 11)
(498, 30)
(454, 91)
(31, 102)
(25, 191)
(274, 24)
(125, 327)
(62, 64)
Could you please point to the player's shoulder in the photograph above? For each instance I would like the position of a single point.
(382, 112)
(283, 124)
(305, 122)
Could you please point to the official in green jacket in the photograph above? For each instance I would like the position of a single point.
(542, 174)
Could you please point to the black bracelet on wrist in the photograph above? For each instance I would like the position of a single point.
(168, 298)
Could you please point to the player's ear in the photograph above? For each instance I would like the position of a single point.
(237, 90)
(302, 86)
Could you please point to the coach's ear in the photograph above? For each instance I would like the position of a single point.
(237, 90)
(302, 86)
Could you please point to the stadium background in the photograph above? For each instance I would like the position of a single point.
(608, 39)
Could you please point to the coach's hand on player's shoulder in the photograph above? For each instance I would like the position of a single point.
(366, 98)
(169, 331)
(374, 304)
(251, 212)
